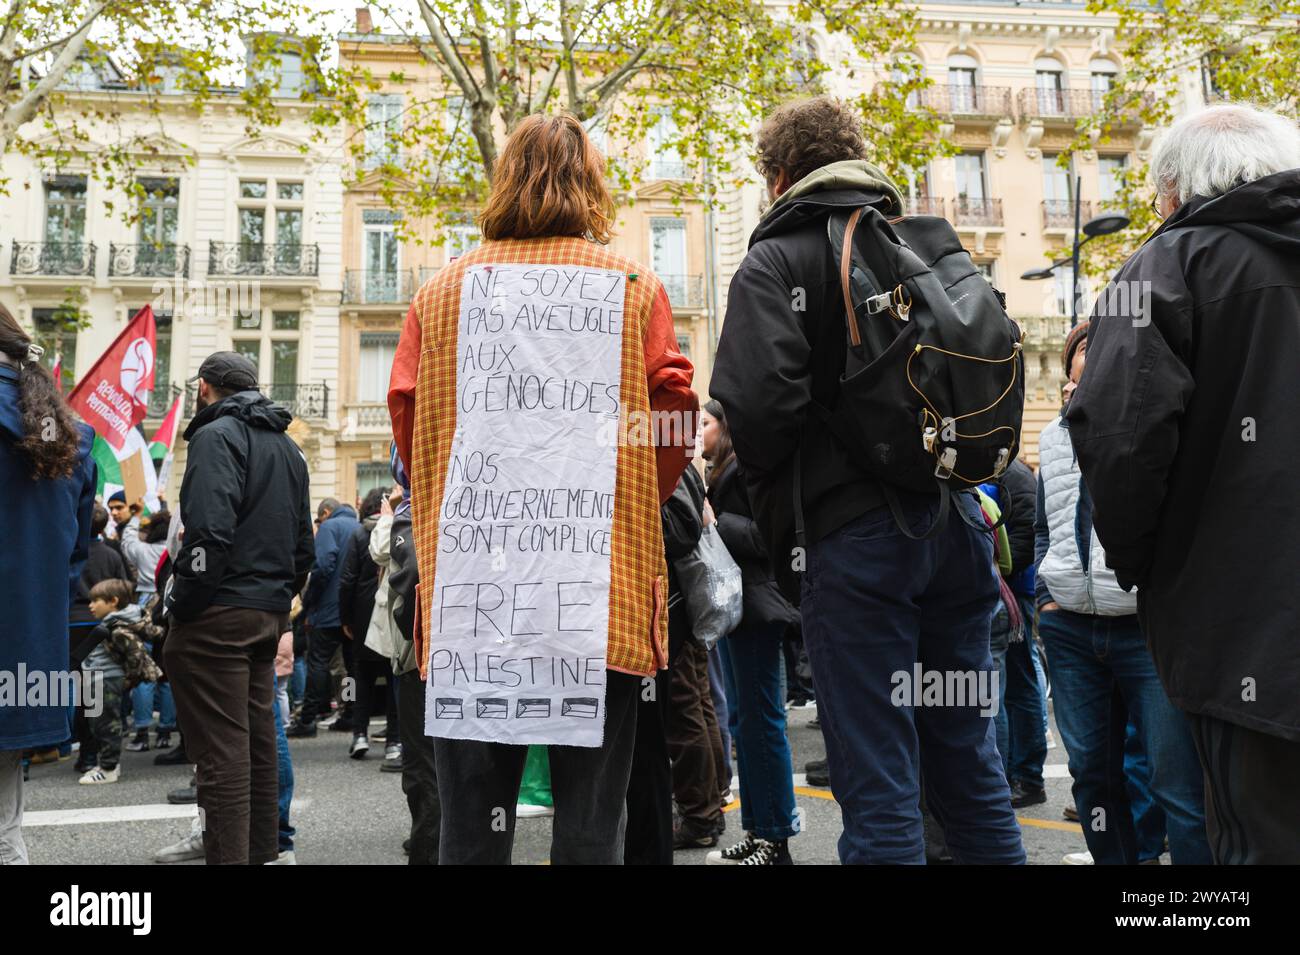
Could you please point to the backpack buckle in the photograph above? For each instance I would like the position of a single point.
(947, 461)
(1004, 458)
(879, 303)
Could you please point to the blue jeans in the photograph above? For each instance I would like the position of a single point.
(298, 681)
(146, 696)
(1103, 677)
(285, 766)
(762, 749)
(719, 677)
(1148, 817)
(875, 604)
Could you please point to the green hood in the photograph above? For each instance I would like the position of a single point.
(846, 174)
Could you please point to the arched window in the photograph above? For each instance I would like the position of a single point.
(963, 82)
(1102, 74)
(1049, 81)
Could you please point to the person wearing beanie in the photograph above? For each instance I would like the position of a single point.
(1076, 346)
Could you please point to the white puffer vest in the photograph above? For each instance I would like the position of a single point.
(1094, 591)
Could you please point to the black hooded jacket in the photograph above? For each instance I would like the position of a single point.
(1187, 428)
(783, 345)
(247, 510)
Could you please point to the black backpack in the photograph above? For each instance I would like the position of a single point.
(933, 388)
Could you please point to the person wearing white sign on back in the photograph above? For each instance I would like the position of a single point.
(522, 397)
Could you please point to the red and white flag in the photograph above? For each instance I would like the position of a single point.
(114, 396)
(57, 372)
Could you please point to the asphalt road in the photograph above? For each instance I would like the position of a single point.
(348, 812)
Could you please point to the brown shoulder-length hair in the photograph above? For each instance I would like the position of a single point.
(50, 441)
(549, 181)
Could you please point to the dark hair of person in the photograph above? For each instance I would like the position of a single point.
(549, 181)
(98, 520)
(327, 507)
(802, 136)
(155, 531)
(724, 452)
(122, 592)
(50, 438)
(372, 502)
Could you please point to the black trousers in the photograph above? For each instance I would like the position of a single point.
(369, 668)
(419, 773)
(324, 642)
(1252, 811)
(649, 836)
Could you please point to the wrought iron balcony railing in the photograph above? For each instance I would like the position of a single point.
(684, 291)
(160, 402)
(977, 212)
(244, 258)
(955, 100)
(147, 260)
(426, 272)
(669, 169)
(52, 258)
(303, 401)
(1059, 213)
(923, 206)
(364, 287)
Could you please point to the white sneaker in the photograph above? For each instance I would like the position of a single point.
(526, 811)
(98, 776)
(284, 858)
(360, 746)
(1051, 740)
(191, 847)
(1077, 858)
(735, 855)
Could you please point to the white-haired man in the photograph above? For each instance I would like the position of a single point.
(1187, 428)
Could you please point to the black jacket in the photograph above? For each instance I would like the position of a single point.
(104, 563)
(683, 523)
(1019, 499)
(1187, 428)
(763, 603)
(358, 581)
(247, 510)
(783, 345)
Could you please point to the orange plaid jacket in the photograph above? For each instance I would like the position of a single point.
(655, 377)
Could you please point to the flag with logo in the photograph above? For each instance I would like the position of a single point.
(128, 469)
(114, 395)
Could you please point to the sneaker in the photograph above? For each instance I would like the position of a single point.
(527, 811)
(191, 847)
(163, 740)
(691, 835)
(1022, 795)
(769, 853)
(360, 746)
(392, 758)
(341, 723)
(815, 722)
(727, 797)
(140, 743)
(50, 755)
(301, 731)
(286, 857)
(177, 757)
(734, 855)
(1051, 740)
(380, 736)
(98, 776)
(817, 773)
(1070, 813)
(1077, 858)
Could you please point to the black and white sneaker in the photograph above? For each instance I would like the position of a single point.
(360, 746)
(769, 853)
(735, 855)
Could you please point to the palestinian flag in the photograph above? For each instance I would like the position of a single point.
(164, 439)
(109, 462)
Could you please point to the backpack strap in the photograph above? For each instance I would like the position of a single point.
(846, 263)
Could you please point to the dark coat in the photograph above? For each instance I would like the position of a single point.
(46, 541)
(104, 563)
(782, 347)
(683, 524)
(1187, 429)
(246, 508)
(763, 603)
(358, 581)
(322, 598)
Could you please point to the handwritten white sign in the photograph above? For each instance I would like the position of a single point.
(520, 610)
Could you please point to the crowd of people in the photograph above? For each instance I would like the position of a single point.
(1138, 574)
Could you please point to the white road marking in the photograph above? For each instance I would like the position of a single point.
(145, 813)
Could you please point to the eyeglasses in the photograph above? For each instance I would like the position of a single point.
(1155, 208)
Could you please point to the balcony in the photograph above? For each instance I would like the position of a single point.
(1058, 214)
(53, 258)
(977, 213)
(973, 101)
(148, 261)
(684, 291)
(302, 401)
(243, 258)
(669, 169)
(370, 419)
(364, 287)
(160, 402)
(426, 272)
(923, 206)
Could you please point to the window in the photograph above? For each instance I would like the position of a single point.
(291, 75)
(1056, 181)
(56, 332)
(1102, 73)
(462, 238)
(373, 474)
(160, 212)
(684, 345)
(383, 119)
(284, 321)
(250, 348)
(456, 118)
(270, 340)
(381, 263)
(378, 349)
(271, 223)
(665, 159)
(988, 270)
(284, 365)
(1110, 177)
(1049, 81)
(970, 177)
(1063, 282)
(65, 210)
(668, 256)
(963, 80)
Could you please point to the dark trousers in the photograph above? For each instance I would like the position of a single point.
(875, 604)
(1252, 811)
(106, 728)
(478, 785)
(325, 641)
(649, 836)
(370, 668)
(222, 669)
(419, 773)
(693, 738)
